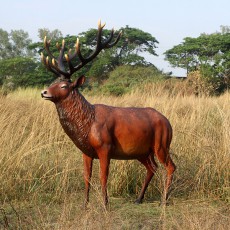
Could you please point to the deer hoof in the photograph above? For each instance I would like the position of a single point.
(137, 201)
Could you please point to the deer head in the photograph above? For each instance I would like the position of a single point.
(61, 90)
(62, 87)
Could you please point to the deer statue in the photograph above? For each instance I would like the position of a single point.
(105, 132)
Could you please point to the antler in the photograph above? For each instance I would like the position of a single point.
(57, 64)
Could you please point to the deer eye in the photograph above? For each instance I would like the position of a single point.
(64, 86)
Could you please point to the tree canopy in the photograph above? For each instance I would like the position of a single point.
(205, 51)
(20, 62)
(208, 53)
(14, 44)
(20, 58)
(128, 51)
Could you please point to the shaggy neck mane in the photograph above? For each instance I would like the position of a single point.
(76, 115)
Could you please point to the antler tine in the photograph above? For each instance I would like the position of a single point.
(71, 68)
(47, 64)
(60, 57)
(70, 57)
(57, 70)
(47, 47)
(74, 54)
(114, 43)
(58, 47)
(78, 51)
(98, 48)
(100, 27)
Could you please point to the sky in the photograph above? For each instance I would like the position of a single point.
(169, 21)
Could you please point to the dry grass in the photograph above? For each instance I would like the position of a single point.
(41, 170)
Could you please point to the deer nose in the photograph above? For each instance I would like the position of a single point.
(43, 93)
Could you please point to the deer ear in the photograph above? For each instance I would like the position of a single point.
(79, 82)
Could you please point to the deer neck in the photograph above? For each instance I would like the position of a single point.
(76, 116)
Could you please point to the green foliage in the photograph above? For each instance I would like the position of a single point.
(18, 69)
(17, 65)
(14, 44)
(208, 53)
(54, 34)
(22, 71)
(136, 41)
(125, 78)
(5, 46)
(127, 52)
(219, 83)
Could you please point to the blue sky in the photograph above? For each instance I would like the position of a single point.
(169, 21)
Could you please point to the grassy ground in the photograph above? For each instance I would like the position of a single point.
(41, 170)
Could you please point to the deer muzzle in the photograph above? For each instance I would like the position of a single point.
(45, 95)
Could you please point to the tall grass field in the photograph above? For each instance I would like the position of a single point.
(41, 171)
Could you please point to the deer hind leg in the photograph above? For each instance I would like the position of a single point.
(104, 173)
(164, 157)
(88, 163)
(151, 168)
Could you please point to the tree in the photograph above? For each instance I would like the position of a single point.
(208, 53)
(133, 42)
(23, 71)
(224, 29)
(5, 45)
(20, 42)
(206, 50)
(16, 63)
(54, 35)
(127, 52)
(13, 44)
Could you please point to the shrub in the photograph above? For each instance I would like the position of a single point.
(202, 82)
(125, 78)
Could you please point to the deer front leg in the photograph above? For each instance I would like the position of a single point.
(88, 163)
(104, 172)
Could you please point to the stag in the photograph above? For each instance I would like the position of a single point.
(105, 132)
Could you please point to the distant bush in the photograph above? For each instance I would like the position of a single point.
(202, 84)
(125, 78)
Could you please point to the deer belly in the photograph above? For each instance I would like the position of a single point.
(130, 145)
